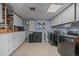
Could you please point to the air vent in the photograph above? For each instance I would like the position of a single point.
(32, 8)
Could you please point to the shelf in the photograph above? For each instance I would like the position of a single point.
(7, 15)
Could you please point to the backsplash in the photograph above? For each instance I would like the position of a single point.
(63, 28)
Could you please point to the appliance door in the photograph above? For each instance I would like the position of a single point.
(50, 38)
(67, 46)
(55, 39)
(60, 44)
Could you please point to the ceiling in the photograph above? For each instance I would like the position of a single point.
(40, 13)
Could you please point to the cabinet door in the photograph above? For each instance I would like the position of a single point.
(53, 21)
(77, 12)
(4, 45)
(16, 35)
(11, 43)
(16, 20)
(20, 22)
(57, 20)
(21, 37)
(0, 12)
(68, 14)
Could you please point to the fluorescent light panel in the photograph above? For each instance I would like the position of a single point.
(53, 8)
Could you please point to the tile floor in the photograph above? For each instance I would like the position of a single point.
(35, 49)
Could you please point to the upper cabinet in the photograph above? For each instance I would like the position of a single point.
(20, 21)
(68, 14)
(0, 12)
(64, 17)
(77, 12)
(17, 20)
(54, 21)
(57, 20)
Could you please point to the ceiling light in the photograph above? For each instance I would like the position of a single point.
(53, 8)
(32, 8)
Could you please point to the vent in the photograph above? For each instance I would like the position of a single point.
(32, 8)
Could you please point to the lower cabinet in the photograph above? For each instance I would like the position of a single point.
(9, 42)
(4, 45)
(35, 37)
(19, 38)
